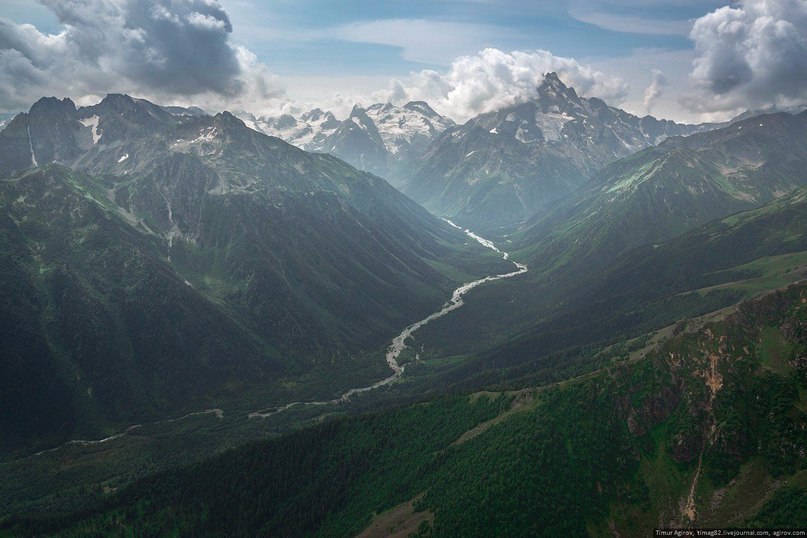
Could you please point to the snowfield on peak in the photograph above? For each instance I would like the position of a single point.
(404, 130)
(92, 123)
(308, 132)
(403, 125)
(551, 124)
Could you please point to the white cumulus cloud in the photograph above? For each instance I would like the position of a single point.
(653, 92)
(751, 55)
(494, 79)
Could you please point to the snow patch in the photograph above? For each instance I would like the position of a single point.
(551, 124)
(31, 145)
(207, 136)
(627, 146)
(92, 123)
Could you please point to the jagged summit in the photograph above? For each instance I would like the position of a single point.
(49, 105)
(553, 89)
(421, 107)
(551, 80)
(227, 118)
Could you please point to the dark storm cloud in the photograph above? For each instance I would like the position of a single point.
(181, 46)
(751, 55)
(156, 47)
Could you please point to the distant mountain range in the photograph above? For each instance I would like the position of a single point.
(676, 186)
(505, 166)
(383, 139)
(499, 168)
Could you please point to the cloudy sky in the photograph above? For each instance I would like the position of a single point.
(687, 60)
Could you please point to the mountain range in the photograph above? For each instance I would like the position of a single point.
(671, 188)
(505, 166)
(165, 272)
(166, 260)
(498, 168)
(383, 139)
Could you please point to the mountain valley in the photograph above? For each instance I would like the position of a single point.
(208, 330)
(164, 230)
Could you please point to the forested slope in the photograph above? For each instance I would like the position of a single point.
(704, 426)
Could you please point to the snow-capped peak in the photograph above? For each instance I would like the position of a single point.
(309, 131)
(402, 128)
